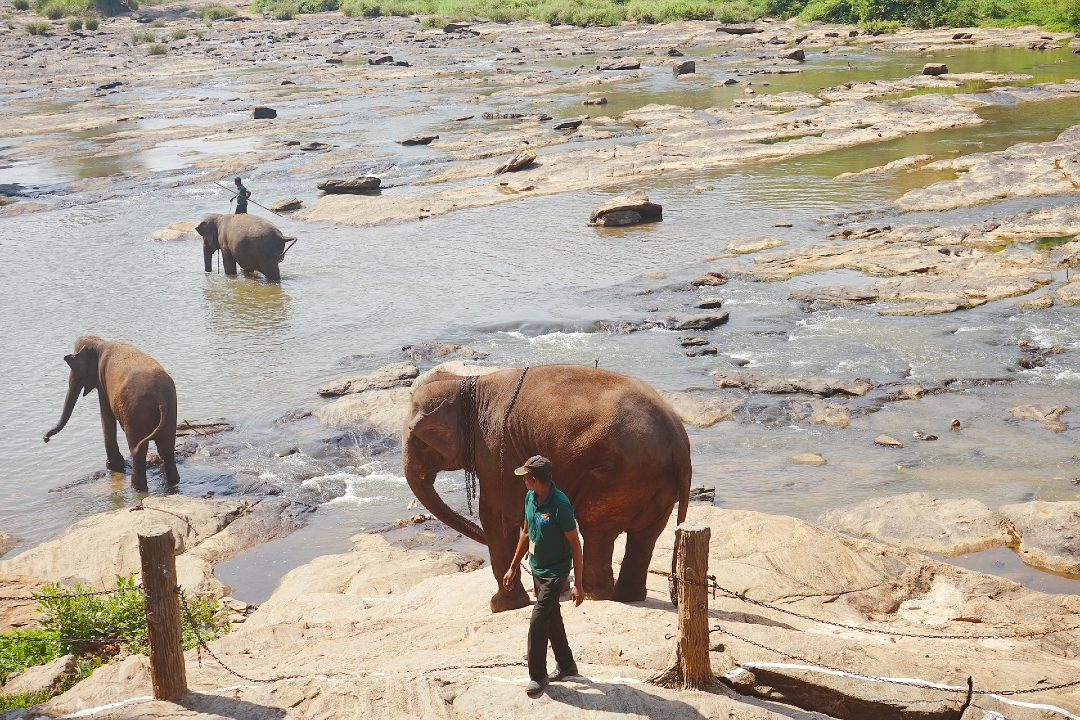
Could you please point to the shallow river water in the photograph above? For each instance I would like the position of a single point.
(527, 282)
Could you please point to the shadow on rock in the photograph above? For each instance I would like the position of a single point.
(228, 707)
(586, 694)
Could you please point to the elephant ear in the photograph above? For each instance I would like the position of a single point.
(438, 429)
(83, 366)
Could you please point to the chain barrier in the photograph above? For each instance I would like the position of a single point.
(139, 506)
(712, 585)
(476, 667)
(69, 596)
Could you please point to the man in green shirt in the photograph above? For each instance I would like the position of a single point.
(242, 195)
(551, 538)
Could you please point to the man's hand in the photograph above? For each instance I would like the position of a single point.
(577, 593)
(508, 578)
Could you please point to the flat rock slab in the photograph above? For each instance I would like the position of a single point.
(923, 523)
(702, 411)
(625, 64)
(739, 29)
(179, 230)
(636, 202)
(1048, 415)
(696, 322)
(350, 186)
(388, 376)
(753, 245)
(1040, 303)
(39, 678)
(385, 410)
(836, 295)
(418, 140)
(888, 441)
(781, 384)
(1049, 533)
(287, 205)
(1069, 294)
(808, 459)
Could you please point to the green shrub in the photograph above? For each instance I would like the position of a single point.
(217, 12)
(360, 8)
(21, 5)
(157, 49)
(179, 34)
(74, 24)
(283, 10)
(297, 6)
(54, 11)
(37, 28)
(91, 23)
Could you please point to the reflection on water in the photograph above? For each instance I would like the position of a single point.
(1006, 563)
(247, 303)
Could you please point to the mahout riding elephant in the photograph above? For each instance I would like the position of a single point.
(132, 388)
(249, 241)
(617, 449)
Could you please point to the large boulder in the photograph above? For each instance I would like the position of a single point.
(923, 523)
(179, 230)
(382, 410)
(40, 678)
(636, 202)
(696, 322)
(1049, 533)
(389, 376)
(350, 186)
(935, 69)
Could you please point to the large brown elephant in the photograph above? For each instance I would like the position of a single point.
(617, 449)
(132, 388)
(249, 241)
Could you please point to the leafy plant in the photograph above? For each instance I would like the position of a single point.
(37, 28)
(217, 12)
(54, 11)
(283, 11)
(21, 5)
(157, 49)
(74, 24)
(179, 34)
(91, 23)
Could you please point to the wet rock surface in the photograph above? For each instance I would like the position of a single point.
(628, 209)
(388, 376)
(923, 523)
(1049, 533)
(780, 384)
(350, 186)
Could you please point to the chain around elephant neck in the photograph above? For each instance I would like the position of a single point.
(506, 418)
(469, 414)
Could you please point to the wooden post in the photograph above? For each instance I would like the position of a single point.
(691, 668)
(167, 669)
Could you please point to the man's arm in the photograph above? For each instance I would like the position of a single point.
(577, 593)
(519, 553)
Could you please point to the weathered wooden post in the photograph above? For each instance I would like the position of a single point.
(691, 669)
(167, 669)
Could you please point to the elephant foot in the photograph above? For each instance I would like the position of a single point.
(629, 594)
(116, 465)
(510, 600)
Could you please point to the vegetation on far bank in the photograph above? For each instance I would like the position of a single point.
(103, 625)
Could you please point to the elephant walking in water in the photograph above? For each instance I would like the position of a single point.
(132, 388)
(618, 452)
(245, 240)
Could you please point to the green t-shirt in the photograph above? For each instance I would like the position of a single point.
(241, 196)
(550, 554)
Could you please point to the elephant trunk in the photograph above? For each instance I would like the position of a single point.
(208, 257)
(424, 489)
(74, 388)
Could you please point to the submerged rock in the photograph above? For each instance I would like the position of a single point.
(350, 186)
(1048, 415)
(417, 140)
(629, 209)
(820, 412)
(1048, 533)
(1040, 303)
(888, 441)
(753, 245)
(388, 376)
(384, 409)
(782, 384)
(432, 350)
(808, 459)
(923, 523)
(6, 543)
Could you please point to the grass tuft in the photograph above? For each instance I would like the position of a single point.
(91, 23)
(21, 5)
(217, 12)
(37, 28)
(179, 34)
(157, 49)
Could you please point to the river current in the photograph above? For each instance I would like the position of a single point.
(526, 282)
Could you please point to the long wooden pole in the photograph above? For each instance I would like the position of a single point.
(691, 668)
(167, 671)
(236, 194)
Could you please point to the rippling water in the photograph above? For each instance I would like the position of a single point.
(526, 282)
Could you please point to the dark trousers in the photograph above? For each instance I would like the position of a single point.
(546, 624)
(241, 210)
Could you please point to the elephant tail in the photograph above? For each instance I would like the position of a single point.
(144, 444)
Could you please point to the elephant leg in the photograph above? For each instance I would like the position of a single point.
(272, 272)
(596, 551)
(167, 450)
(114, 459)
(501, 551)
(228, 261)
(636, 559)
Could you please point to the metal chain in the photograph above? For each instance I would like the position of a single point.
(878, 631)
(469, 413)
(68, 596)
(101, 641)
(476, 667)
(506, 418)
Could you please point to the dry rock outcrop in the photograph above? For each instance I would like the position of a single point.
(923, 523)
(782, 384)
(1049, 533)
(342, 622)
(39, 678)
(95, 550)
(19, 613)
